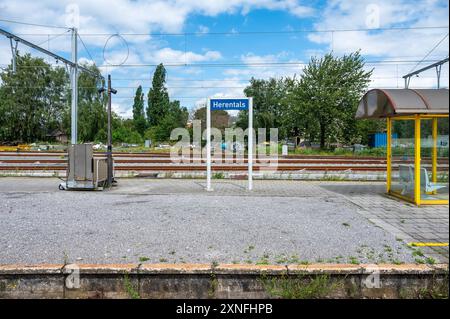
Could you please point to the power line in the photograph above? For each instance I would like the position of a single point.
(54, 37)
(426, 55)
(172, 87)
(254, 64)
(180, 34)
(33, 24)
(86, 49)
(242, 80)
(241, 64)
(270, 32)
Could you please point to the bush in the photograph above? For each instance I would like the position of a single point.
(126, 135)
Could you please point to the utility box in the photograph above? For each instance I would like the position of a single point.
(80, 163)
(85, 171)
(379, 139)
(100, 170)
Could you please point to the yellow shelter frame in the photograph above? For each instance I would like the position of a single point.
(417, 157)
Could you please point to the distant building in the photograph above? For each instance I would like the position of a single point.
(59, 136)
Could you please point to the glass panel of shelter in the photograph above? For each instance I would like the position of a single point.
(434, 159)
(402, 183)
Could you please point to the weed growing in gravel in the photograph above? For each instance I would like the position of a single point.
(264, 260)
(299, 287)
(132, 292)
(417, 252)
(218, 175)
(249, 249)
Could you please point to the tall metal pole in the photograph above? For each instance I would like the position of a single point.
(14, 55)
(109, 150)
(74, 85)
(438, 74)
(250, 143)
(208, 146)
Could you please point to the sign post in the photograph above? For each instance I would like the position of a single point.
(250, 144)
(208, 146)
(236, 104)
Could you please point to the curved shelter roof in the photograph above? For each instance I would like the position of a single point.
(381, 103)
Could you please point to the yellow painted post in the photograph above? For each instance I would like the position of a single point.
(389, 155)
(417, 161)
(435, 155)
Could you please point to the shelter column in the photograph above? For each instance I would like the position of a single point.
(389, 155)
(435, 155)
(417, 161)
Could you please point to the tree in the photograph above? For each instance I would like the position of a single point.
(158, 97)
(219, 118)
(124, 132)
(329, 90)
(175, 117)
(138, 112)
(32, 100)
(268, 104)
(92, 114)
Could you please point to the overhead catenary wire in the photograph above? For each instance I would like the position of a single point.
(54, 37)
(249, 64)
(429, 52)
(244, 85)
(271, 31)
(215, 33)
(32, 24)
(86, 49)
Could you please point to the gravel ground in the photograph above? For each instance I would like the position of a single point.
(115, 227)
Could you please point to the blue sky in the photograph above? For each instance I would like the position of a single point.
(154, 32)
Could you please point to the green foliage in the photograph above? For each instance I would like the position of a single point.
(92, 114)
(139, 121)
(319, 106)
(33, 101)
(130, 289)
(270, 108)
(219, 118)
(300, 287)
(162, 114)
(125, 133)
(158, 97)
(327, 96)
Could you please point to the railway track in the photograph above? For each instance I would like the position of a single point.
(57, 161)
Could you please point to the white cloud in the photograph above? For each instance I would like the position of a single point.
(168, 55)
(103, 16)
(122, 109)
(410, 45)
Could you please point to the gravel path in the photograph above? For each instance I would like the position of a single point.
(116, 227)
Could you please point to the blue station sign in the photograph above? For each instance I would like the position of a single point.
(229, 104)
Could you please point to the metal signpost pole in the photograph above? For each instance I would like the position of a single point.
(250, 143)
(208, 146)
(74, 84)
(109, 151)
